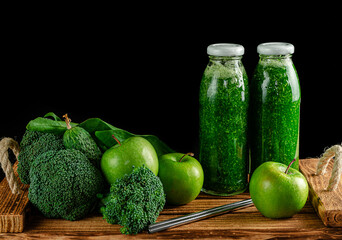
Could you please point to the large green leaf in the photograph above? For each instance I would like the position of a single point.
(106, 139)
(47, 125)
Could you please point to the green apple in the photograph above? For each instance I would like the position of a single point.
(182, 177)
(277, 190)
(120, 159)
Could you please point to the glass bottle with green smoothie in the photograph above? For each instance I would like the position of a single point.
(224, 100)
(275, 106)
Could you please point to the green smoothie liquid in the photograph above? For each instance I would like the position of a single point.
(275, 110)
(224, 99)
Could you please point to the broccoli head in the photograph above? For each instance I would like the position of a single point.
(64, 184)
(29, 137)
(134, 201)
(32, 145)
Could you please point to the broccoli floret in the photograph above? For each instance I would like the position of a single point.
(29, 137)
(134, 201)
(64, 184)
(32, 145)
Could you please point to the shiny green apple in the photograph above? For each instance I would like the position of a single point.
(120, 159)
(277, 190)
(182, 177)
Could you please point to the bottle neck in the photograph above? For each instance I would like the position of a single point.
(225, 67)
(275, 60)
(287, 56)
(224, 58)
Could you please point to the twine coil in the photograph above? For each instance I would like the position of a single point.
(330, 153)
(6, 165)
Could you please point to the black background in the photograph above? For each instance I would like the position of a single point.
(141, 72)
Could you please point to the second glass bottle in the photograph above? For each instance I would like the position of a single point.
(275, 106)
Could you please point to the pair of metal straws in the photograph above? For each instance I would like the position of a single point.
(160, 226)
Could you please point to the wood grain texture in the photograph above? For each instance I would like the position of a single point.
(12, 206)
(328, 204)
(245, 223)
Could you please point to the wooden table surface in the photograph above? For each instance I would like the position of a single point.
(246, 223)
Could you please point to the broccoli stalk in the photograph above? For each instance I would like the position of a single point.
(134, 201)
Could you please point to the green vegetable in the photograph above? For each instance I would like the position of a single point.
(64, 184)
(223, 113)
(47, 125)
(29, 138)
(32, 145)
(79, 139)
(53, 115)
(96, 124)
(160, 147)
(275, 111)
(134, 201)
(105, 138)
(102, 133)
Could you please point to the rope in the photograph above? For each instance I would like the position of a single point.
(330, 153)
(6, 165)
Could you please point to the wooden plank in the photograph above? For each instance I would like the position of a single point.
(328, 205)
(12, 206)
(246, 223)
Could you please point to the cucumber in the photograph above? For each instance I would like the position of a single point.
(78, 138)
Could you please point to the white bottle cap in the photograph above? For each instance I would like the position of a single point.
(275, 48)
(225, 49)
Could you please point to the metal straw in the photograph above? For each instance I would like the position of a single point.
(160, 226)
